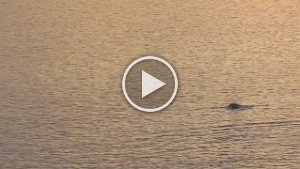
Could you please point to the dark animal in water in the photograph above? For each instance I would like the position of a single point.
(235, 106)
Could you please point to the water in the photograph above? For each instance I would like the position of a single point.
(61, 64)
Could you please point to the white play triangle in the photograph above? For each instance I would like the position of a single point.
(150, 84)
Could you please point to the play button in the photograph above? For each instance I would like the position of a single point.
(150, 84)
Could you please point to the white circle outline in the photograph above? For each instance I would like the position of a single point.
(147, 109)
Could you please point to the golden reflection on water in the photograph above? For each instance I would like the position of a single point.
(61, 103)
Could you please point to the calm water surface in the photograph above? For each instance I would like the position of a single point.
(61, 104)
